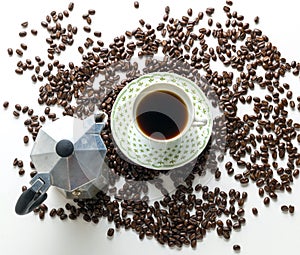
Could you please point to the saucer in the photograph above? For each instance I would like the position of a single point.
(137, 148)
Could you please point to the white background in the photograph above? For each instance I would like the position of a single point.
(271, 232)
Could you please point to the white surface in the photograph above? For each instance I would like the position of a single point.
(272, 232)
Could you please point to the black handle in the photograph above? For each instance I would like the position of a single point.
(28, 201)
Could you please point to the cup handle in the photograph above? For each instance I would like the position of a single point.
(199, 122)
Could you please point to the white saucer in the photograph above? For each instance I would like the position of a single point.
(137, 148)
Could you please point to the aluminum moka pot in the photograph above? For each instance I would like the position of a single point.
(68, 154)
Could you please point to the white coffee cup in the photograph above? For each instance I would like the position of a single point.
(191, 121)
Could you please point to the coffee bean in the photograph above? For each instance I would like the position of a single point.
(33, 173)
(254, 211)
(15, 162)
(41, 215)
(24, 24)
(110, 232)
(30, 112)
(19, 52)
(236, 247)
(63, 216)
(18, 107)
(32, 165)
(23, 46)
(256, 20)
(6, 104)
(136, 4)
(21, 171)
(34, 32)
(53, 212)
(266, 200)
(44, 207)
(25, 109)
(71, 6)
(16, 114)
(60, 211)
(19, 71)
(25, 139)
(97, 34)
(284, 208)
(10, 51)
(291, 209)
(23, 34)
(210, 11)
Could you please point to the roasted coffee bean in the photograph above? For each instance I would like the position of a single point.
(291, 209)
(25, 109)
(25, 139)
(19, 71)
(41, 215)
(254, 211)
(71, 6)
(15, 162)
(63, 216)
(23, 34)
(34, 32)
(32, 165)
(72, 216)
(136, 4)
(87, 218)
(18, 107)
(10, 51)
(16, 114)
(97, 34)
(47, 110)
(266, 200)
(60, 211)
(33, 173)
(110, 232)
(284, 208)
(87, 29)
(6, 104)
(210, 11)
(53, 212)
(23, 46)
(20, 163)
(44, 207)
(236, 247)
(24, 24)
(21, 171)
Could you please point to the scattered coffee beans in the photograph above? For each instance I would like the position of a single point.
(179, 39)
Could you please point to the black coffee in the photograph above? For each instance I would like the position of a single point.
(162, 115)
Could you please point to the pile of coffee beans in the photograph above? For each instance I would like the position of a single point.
(262, 144)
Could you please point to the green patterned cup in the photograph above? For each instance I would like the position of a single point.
(169, 112)
(165, 154)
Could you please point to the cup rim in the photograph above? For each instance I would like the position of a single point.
(188, 104)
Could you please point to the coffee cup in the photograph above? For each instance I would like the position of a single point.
(163, 113)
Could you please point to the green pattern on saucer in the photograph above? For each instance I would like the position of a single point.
(137, 148)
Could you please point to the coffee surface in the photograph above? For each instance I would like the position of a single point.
(162, 115)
